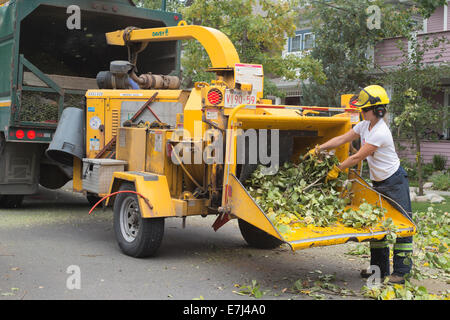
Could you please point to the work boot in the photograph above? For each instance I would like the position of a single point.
(396, 279)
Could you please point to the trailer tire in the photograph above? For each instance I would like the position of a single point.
(137, 237)
(256, 237)
(11, 201)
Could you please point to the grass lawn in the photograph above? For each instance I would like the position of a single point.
(423, 206)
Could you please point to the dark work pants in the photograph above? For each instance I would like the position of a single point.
(395, 187)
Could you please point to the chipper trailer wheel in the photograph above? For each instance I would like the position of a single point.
(256, 237)
(137, 237)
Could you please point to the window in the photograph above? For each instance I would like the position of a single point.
(308, 41)
(303, 40)
(417, 23)
(296, 43)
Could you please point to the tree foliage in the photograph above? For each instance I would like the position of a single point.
(171, 5)
(343, 38)
(427, 7)
(258, 37)
(340, 28)
(343, 43)
(414, 83)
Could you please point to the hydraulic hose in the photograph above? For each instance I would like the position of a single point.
(123, 191)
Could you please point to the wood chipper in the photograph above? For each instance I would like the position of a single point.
(157, 151)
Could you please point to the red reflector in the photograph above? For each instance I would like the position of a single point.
(20, 134)
(31, 134)
(215, 96)
(176, 18)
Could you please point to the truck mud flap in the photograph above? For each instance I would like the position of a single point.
(243, 206)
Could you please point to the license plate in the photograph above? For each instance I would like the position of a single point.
(236, 98)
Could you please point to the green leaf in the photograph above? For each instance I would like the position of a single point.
(298, 285)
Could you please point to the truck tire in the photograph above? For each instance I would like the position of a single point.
(137, 237)
(256, 237)
(11, 201)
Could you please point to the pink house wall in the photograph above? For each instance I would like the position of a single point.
(443, 50)
(387, 53)
(428, 150)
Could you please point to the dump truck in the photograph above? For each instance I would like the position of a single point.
(50, 53)
(154, 151)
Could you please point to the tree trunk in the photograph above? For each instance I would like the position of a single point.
(419, 162)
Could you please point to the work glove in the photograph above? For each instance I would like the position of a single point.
(333, 174)
(313, 153)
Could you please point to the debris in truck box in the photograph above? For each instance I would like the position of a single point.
(74, 101)
(43, 107)
(38, 107)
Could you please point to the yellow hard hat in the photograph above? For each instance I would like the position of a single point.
(370, 96)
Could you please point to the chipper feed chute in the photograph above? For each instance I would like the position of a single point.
(243, 206)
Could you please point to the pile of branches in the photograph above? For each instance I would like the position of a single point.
(298, 195)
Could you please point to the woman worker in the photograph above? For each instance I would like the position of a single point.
(388, 177)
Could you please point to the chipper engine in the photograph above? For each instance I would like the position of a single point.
(155, 151)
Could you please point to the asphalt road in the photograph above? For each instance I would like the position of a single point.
(53, 231)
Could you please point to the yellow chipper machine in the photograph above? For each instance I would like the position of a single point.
(155, 151)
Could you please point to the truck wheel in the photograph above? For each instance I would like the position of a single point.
(137, 237)
(11, 201)
(256, 237)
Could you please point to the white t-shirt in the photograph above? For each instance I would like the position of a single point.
(384, 162)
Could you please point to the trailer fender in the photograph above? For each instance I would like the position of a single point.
(153, 193)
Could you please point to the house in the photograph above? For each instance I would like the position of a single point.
(297, 45)
(386, 56)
